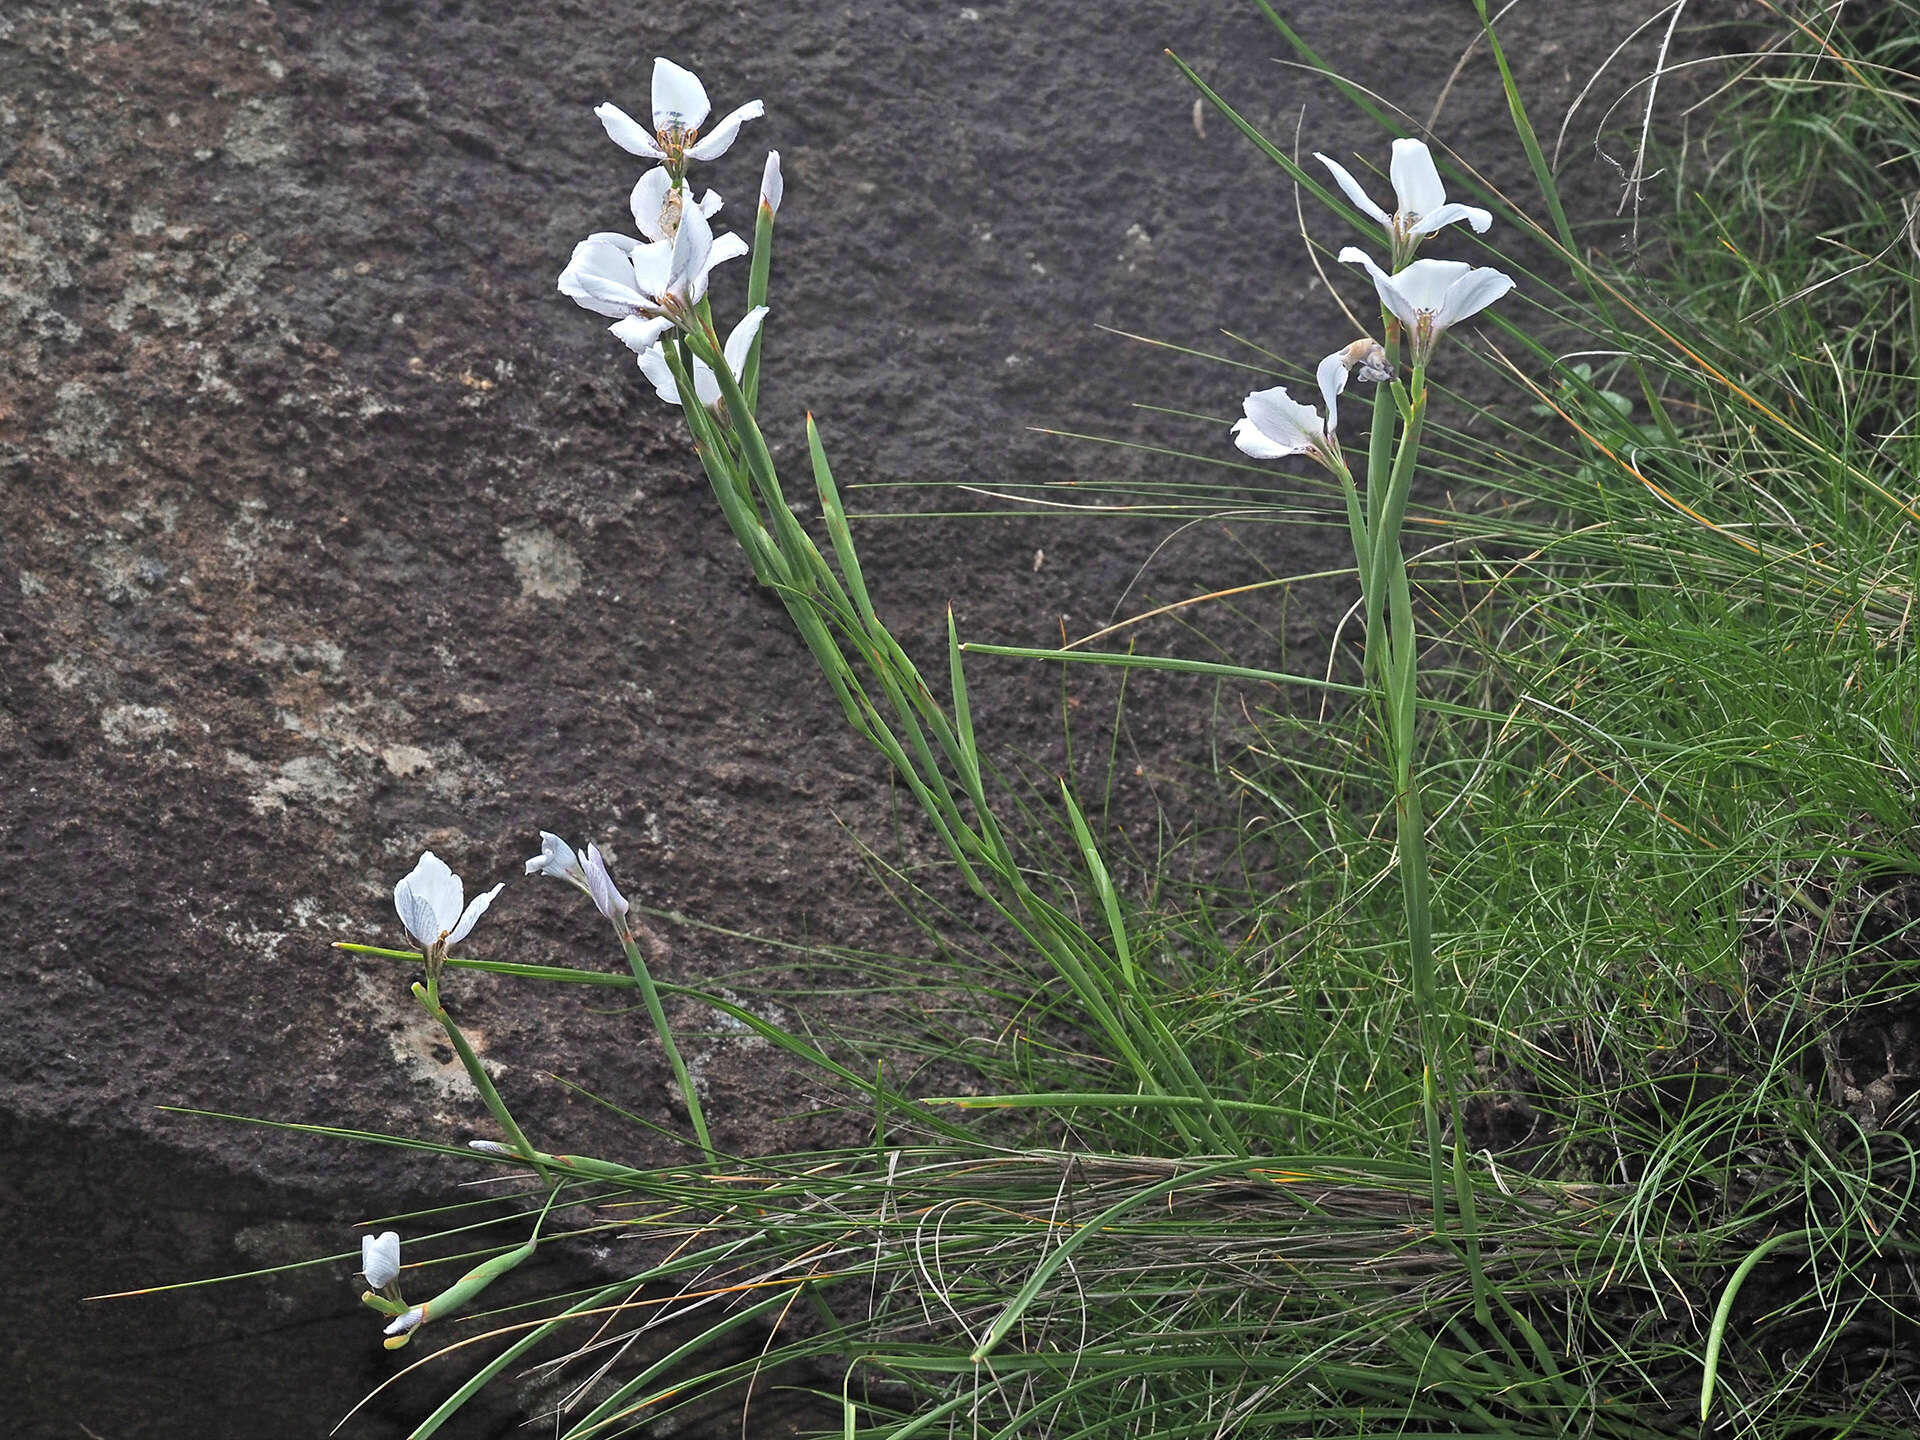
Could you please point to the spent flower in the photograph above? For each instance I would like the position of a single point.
(1430, 296)
(1420, 200)
(680, 108)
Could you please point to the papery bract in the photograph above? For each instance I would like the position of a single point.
(1430, 296)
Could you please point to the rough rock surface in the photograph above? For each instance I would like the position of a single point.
(328, 532)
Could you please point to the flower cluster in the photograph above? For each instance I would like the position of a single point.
(656, 285)
(1423, 297)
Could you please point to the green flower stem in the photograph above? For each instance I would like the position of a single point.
(643, 977)
(430, 1002)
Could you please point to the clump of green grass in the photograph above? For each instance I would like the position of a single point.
(1185, 1184)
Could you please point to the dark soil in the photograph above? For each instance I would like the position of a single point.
(329, 532)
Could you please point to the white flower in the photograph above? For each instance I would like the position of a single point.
(429, 901)
(706, 385)
(647, 286)
(1419, 195)
(557, 858)
(1429, 296)
(380, 1259)
(679, 107)
(772, 188)
(409, 1322)
(1276, 424)
(657, 205)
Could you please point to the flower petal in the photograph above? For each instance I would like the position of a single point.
(1450, 214)
(640, 335)
(653, 365)
(627, 133)
(710, 203)
(688, 262)
(1425, 283)
(679, 99)
(1395, 303)
(740, 341)
(649, 202)
(773, 189)
(439, 887)
(556, 858)
(380, 1259)
(416, 913)
(1354, 193)
(1416, 184)
(473, 913)
(1471, 294)
(408, 1322)
(716, 144)
(600, 275)
(1277, 425)
(600, 885)
(1332, 375)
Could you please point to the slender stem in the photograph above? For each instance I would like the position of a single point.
(643, 977)
(430, 1002)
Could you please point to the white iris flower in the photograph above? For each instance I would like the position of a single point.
(706, 384)
(1429, 296)
(680, 107)
(1276, 424)
(1420, 198)
(658, 204)
(647, 286)
(380, 1259)
(558, 859)
(429, 901)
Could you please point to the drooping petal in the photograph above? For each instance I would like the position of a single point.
(1451, 214)
(600, 275)
(628, 133)
(1332, 375)
(1276, 424)
(638, 334)
(380, 1259)
(712, 146)
(649, 203)
(653, 365)
(600, 885)
(679, 99)
(556, 858)
(473, 913)
(1469, 295)
(1390, 297)
(773, 189)
(1416, 184)
(1354, 193)
(439, 888)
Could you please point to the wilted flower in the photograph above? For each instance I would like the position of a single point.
(658, 204)
(557, 858)
(1276, 424)
(1419, 195)
(706, 384)
(429, 902)
(680, 106)
(406, 1324)
(380, 1259)
(772, 188)
(648, 287)
(1429, 296)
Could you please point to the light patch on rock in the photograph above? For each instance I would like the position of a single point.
(544, 564)
(304, 780)
(405, 760)
(83, 425)
(32, 584)
(418, 1045)
(132, 724)
(65, 675)
(257, 134)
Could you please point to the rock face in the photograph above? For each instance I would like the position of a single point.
(331, 533)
